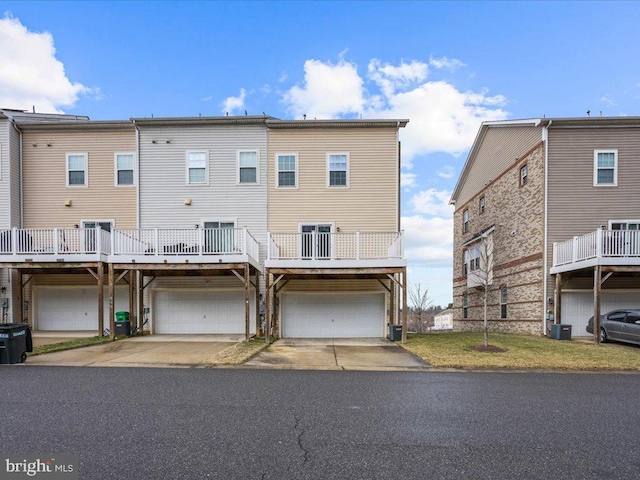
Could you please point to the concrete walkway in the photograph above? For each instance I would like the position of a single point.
(336, 354)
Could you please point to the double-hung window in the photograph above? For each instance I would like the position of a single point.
(287, 170)
(197, 167)
(481, 205)
(605, 171)
(77, 170)
(465, 221)
(125, 165)
(465, 306)
(337, 169)
(248, 166)
(524, 172)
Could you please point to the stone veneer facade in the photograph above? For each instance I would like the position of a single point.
(517, 212)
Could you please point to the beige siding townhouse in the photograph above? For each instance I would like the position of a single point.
(78, 183)
(556, 200)
(335, 265)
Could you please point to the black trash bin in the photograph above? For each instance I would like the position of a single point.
(123, 324)
(15, 342)
(395, 333)
(561, 331)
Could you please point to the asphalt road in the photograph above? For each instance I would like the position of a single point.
(276, 424)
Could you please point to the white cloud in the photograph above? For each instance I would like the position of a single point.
(608, 99)
(442, 117)
(446, 172)
(206, 99)
(428, 240)
(408, 180)
(283, 77)
(30, 74)
(391, 78)
(432, 202)
(232, 104)
(329, 91)
(444, 62)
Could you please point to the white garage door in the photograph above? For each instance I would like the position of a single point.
(190, 311)
(577, 307)
(74, 308)
(333, 315)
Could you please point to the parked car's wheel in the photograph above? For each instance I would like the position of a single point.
(23, 357)
(603, 336)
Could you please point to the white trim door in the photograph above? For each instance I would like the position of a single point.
(74, 307)
(577, 307)
(177, 311)
(333, 315)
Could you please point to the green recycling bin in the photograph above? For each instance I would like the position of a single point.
(122, 316)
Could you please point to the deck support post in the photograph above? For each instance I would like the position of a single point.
(140, 282)
(404, 305)
(100, 275)
(132, 310)
(267, 311)
(597, 285)
(20, 312)
(557, 304)
(112, 326)
(257, 289)
(247, 310)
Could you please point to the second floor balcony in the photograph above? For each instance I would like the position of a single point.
(335, 250)
(136, 245)
(601, 247)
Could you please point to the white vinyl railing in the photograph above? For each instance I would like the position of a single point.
(334, 246)
(54, 241)
(182, 241)
(601, 243)
(151, 241)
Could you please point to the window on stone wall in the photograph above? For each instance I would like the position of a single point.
(465, 221)
(523, 175)
(481, 205)
(465, 306)
(503, 302)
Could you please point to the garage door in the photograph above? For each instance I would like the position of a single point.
(333, 315)
(182, 311)
(74, 308)
(577, 307)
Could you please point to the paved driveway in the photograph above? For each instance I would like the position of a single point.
(336, 354)
(147, 351)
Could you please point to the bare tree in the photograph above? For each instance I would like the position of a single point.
(420, 303)
(480, 273)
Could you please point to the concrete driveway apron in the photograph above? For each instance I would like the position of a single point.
(185, 351)
(337, 354)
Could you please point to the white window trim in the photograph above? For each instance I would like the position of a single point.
(115, 169)
(347, 154)
(186, 168)
(627, 221)
(112, 221)
(277, 177)
(222, 220)
(595, 168)
(257, 152)
(86, 169)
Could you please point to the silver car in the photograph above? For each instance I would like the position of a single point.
(619, 325)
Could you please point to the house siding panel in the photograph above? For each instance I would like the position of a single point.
(5, 206)
(500, 148)
(14, 177)
(571, 166)
(163, 180)
(371, 201)
(44, 171)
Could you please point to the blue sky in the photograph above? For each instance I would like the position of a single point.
(446, 66)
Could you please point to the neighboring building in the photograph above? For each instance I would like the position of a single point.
(443, 320)
(335, 256)
(528, 185)
(77, 185)
(203, 184)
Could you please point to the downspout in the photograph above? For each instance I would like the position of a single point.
(20, 183)
(546, 209)
(137, 175)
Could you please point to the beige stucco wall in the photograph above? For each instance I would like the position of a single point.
(518, 215)
(369, 204)
(44, 178)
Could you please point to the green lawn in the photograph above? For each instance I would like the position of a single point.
(68, 345)
(241, 352)
(456, 350)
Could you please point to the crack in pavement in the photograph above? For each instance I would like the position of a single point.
(300, 432)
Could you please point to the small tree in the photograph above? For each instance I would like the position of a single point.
(481, 274)
(420, 302)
